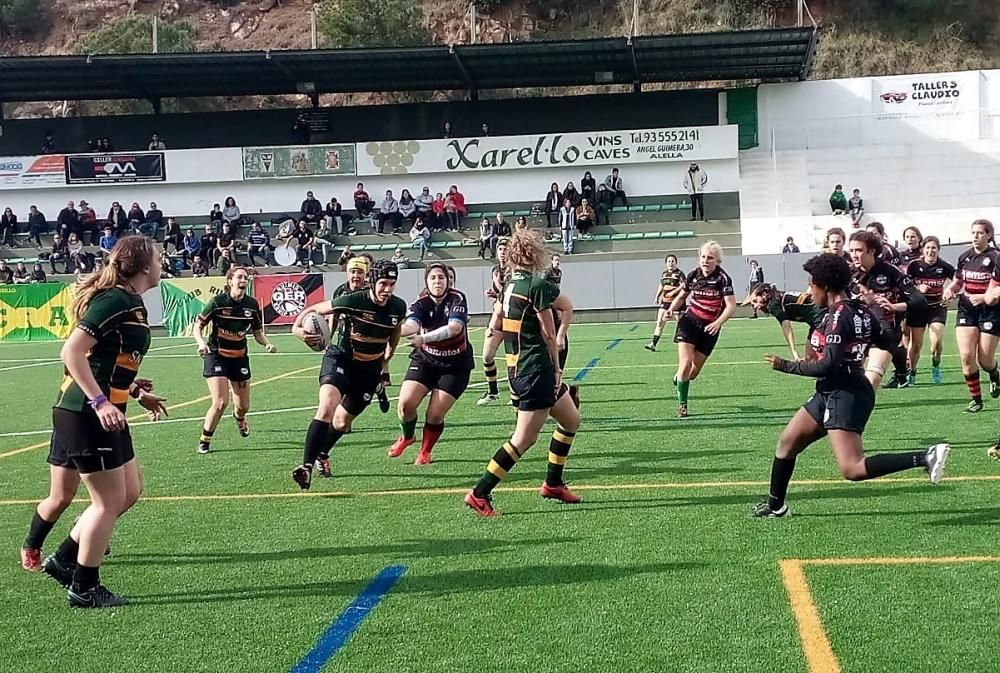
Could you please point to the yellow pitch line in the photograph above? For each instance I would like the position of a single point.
(815, 644)
(181, 405)
(672, 486)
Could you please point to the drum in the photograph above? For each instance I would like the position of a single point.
(284, 254)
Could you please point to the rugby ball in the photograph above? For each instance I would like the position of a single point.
(316, 324)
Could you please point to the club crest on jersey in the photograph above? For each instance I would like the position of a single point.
(987, 261)
(881, 279)
(247, 313)
(987, 326)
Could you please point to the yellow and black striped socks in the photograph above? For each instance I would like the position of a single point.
(559, 448)
(206, 436)
(503, 462)
(490, 370)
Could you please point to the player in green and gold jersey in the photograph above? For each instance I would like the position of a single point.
(786, 308)
(525, 316)
(370, 324)
(493, 338)
(231, 315)
(670, 285)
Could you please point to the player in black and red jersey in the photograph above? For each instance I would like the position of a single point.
(711, 304)
(786, 308)
(914, 249)
(931, 275)
(889, 293)
(844, 398)
(671, 281)
(978, 325)
(440, 364)
(889, 254)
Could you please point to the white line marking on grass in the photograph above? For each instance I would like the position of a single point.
(40, 362)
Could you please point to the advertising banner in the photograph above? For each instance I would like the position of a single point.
(282, 298)
(39, 312)
(22, 172)
(298, 161)
(939, 96)
(184, 298)
(551, 150)
(93, 169)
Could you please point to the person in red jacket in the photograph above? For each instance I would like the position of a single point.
(460, 210)
(437, 207)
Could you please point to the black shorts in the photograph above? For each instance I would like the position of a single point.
(534, 391)
(928, 316)
(845, 409)
(234, 369)
(452, 380)
(356, 381)
(985, 318)
(80, 443)
(691, 330)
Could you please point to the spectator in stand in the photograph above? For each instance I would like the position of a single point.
(446, 132)
(388, 211)
(38, 273)
(226, 262)
(198, 267)
(362, 202)
(588, 187)
(259, 241)
(215, 218)
(68, 220)
(107, 242)
(324, 239)
(346, 255)
(231, 214)
(136, 218)
(74, 247)
(438, 208)
(856, 208)
(173, 235)
(21, 275)
(502, 228)
(407, 207)
(420, 237)
(694, 182)
(8, 227)
(192, 245)
(604, 204)
(6, 273)
(571, 194)
(458, 207)
(486, 238)
(117, 218)
(838, 200)
(59, 253)
(553, 201)
(88, 222)
(210, 246)
(424, 202)
(755, 280)
(154, 222)
(567, 225)
(105, 145)
(790, 247)
(399, 259)
(227, 241)
(484, 129)
(616, 186)
(520, 223)
(304, 247)
(301, 131)
(49, 144)
(585, 218)
(166, 265)
(156, 143)
(311, 210)
(37, 225)
(335, 217)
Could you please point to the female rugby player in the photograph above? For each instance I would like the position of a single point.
(836, 243)
(844, 398)
(786, 308)
(930, 274)
(670, 284)
(493, 338)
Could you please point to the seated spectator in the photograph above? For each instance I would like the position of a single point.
(173, 235)
(311, 210)
(226, 261)
(324, 239)
(425, 203)
(304, 244)
(520, 223)
(259, 242)
(37, 225)
(74, 247)
(838, 200)
(8, 227)
(49, 144)
(585, 217)
(21, 275)
(198, 267)
(80, 268)
(136, 218)
(37, 273)
(107, 242)
(154, 222)
(856, 208)
(407, 207)
(446, 131)
(59, 253)
(156, 143)
(616, 186)
(486, 238)
(6, 273)
(192, 245)
(553, 201)
(438, 209)
(88, 222)
(231, 214)
(388, 212)
(346, 255)
(501, 229)
(166, 265)
(567, 226)
(210, 246)
(362, 202)
(227, 241)
(215, 218)
(420, 237)
(604, 204)
(117, 218)
(459, 209)
(335, 218)
(399, 259)
(790, 246)
(68, 220)
(571, 194)
(588, 187)
(484, 129)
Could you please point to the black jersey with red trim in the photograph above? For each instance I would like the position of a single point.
(455, 352)
(907, 257)
(706, 294)
(933, 276)
(890, 255)
(884, 280)
(977, 270)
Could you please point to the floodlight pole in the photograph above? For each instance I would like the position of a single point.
(313, 36)
(798, 6)
(472, 23)
(156, 34)
(635, 17)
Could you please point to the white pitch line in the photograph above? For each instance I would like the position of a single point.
(41, 362)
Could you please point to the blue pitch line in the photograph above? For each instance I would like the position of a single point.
(613, 345)
(586, 370)
(337, 635)
(633, 328)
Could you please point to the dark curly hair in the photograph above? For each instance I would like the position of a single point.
(830, 272)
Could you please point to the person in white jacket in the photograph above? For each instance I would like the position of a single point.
(567, 226)
(694, 182)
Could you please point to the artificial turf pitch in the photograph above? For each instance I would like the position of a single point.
(660, 569)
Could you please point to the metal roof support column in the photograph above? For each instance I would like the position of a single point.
(473, 89)
(636, 79)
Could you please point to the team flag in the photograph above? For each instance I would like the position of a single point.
(282, 298)
(40, 312)
(184, 298)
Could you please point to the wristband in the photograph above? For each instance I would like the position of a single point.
(98, 402)
(135, 392)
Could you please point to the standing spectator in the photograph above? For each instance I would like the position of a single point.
(588, 187)
(616, 186)
(107, 242)
(399, 259)
(259, 241)
(571, 194)
(210, 246)
(567, 225)
(198, 267)
(458, 204)
(301, 131)
(311, 210)
(173, 235)
(838, 200)
(37, 273)
(553, 201)
(388, 211)
(755, 280)
(37, 225)
(604, 204)
(231, 214)
(227, 241)
(407, 207)
(303, 244)
(68, 220)
(856, 208)
(790, 247)
(486, 238)
(192, 245)
(21, 275)
(6, 273)
(215, 218)
(59, 253)
(49, 144)
(88, 222)
(694, 182)
(420, 237)
(446, 131)
(438, 208)
(8, 227)
(362, 202)
(136, 218)
(424, 203)
(117, 218)
(74, 247)
(585, 218)
(156, 143)
(153, 223)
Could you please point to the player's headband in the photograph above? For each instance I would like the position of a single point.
(357, 263)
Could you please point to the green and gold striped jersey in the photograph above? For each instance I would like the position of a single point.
(118, 320)
(524, 297)
(365, 335)
(231, 320)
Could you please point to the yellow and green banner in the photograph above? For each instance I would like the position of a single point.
(184, 298)
(40, 312)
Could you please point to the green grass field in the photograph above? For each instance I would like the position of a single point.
(660, 569)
